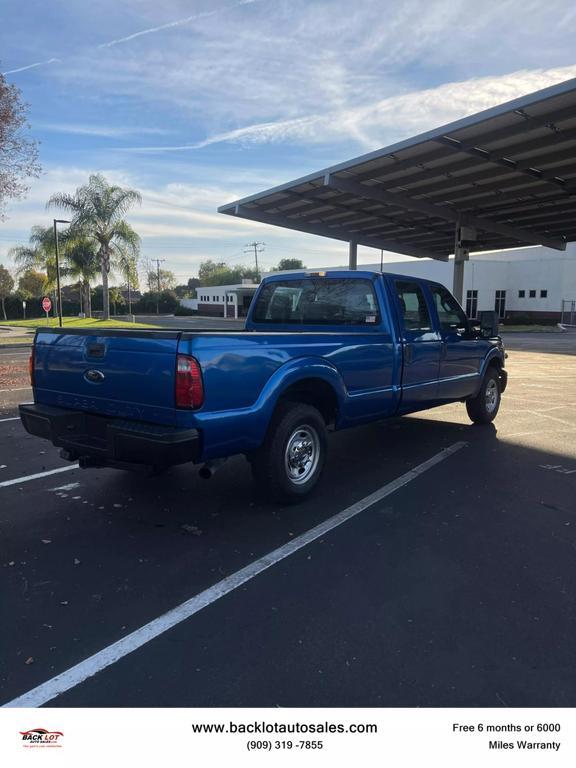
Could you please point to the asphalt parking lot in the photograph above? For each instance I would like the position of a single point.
(457, 589)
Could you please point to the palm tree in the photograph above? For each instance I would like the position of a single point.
(82, 262)
(99, 208)
(38, 254)
(128, 267)
(116, 298)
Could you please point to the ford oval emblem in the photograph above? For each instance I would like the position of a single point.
(94, 376)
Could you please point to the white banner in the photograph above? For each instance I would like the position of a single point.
(319, 737)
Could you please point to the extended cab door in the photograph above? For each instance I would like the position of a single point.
(462, 353)
(421, 346)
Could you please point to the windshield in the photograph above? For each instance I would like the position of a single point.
(318, 301)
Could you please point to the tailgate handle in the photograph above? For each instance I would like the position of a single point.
(96, 350)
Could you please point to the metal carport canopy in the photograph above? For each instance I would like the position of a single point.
(503, 178)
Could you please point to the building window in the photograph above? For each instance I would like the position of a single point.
(532, 294)
(472, 304)
(544, 294)
(500, 304)
(521, 294)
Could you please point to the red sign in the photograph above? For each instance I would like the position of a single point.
(46, 304)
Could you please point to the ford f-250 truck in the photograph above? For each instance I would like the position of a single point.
(319, 351)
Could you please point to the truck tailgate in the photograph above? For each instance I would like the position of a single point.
(128, 374)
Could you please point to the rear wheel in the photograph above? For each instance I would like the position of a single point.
(483, 408)
(289, 464)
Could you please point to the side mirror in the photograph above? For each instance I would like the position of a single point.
(488, 323)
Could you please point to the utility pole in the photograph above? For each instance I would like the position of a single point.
(158, 262)
(258, 248)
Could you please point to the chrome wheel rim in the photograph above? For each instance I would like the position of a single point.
(302, 454)
(491, 396)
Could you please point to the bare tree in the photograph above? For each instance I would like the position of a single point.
(18, 152)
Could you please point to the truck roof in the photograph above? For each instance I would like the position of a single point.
(343, 273)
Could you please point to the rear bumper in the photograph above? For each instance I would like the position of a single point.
(102, 441)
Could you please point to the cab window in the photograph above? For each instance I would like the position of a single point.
(450, 315)
(413, 306)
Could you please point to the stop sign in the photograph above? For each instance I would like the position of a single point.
(46, 304)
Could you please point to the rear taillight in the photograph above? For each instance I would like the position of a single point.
(189, 386)
(31, 369)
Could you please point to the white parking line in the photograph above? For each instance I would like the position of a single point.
(12, 418)
(113, 653)
(26, 478)
(15, 389)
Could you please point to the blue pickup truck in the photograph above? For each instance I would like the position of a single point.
(320, 351)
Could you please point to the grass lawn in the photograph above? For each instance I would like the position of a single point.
(74, 322)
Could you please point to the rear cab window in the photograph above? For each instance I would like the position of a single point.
(414, 311)
(318, 301)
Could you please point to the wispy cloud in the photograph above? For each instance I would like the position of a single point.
(177, 23)
(385, 120)
(104, 131)
(143, 32)
(31, 66)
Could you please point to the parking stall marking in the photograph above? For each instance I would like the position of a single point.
(135, 640)
(38, 475)
(12, 418)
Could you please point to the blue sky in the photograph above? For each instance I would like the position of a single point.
(199, 102)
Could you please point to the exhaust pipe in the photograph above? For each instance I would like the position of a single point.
(208, 470)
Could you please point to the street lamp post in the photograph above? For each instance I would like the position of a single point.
(58, 221)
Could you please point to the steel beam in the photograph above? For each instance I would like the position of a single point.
(338, 234)
(442, 212)
(520, 130)
(352, 255)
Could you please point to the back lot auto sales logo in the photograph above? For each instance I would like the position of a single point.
(40, 737)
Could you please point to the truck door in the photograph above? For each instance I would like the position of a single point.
(462, 353)
(421, 344)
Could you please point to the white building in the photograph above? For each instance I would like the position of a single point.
(526, 283)
(225, 300)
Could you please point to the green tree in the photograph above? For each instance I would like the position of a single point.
(115, 298)
(167, 280)
(208, 269)
(99, 208)
(220, 273)
(32, 284)
(285, 264)
(18, 152)
(182, 291)
(6, 287)
(38, 254)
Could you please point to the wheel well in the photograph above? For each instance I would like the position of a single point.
(315, 392)
(495, 363)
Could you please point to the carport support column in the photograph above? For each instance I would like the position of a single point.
(461, 256)
(353, 255)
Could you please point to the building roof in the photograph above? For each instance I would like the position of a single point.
(509, 173)
(235, 287)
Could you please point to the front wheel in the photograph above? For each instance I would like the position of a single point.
(483, 408)
(289, 463)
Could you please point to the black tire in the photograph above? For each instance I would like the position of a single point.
(483, 408)
(296, 430)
